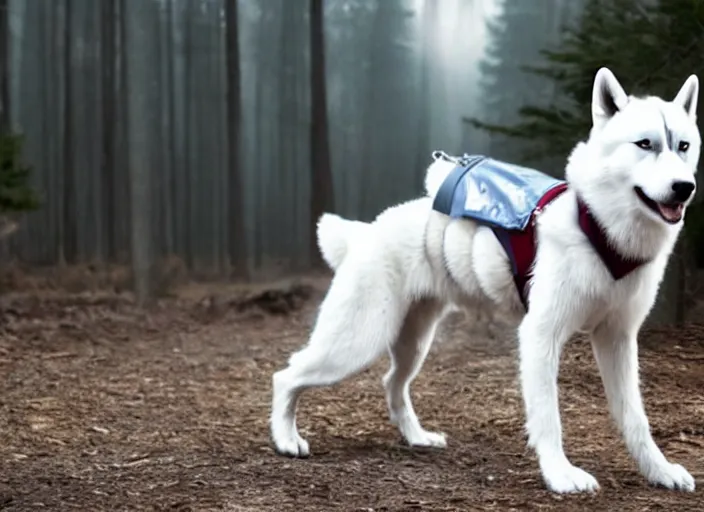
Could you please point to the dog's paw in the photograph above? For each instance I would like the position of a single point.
(428, 439)
(672, 476)
(292, 446)
(565, 478)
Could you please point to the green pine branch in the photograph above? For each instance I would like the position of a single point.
(16, 192)
(651, 46)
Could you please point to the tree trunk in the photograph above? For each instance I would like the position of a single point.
(322, 193)
(159, 179)
(237, 240)
(122, 156)
(5, 119)
(109, 101)
(69, 201)
(188, 130)
(138, 79)
(682, 268)
(171, 151)
(670, 306)
(430, 10)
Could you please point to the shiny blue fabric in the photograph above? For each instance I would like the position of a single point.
(492, 192)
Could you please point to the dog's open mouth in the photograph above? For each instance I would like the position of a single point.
(670, 212)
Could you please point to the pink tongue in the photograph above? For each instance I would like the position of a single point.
(672, 213)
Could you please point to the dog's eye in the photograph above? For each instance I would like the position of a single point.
(644, 144)
(684, 146)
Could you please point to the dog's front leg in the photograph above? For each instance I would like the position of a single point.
(541, 338)
(616, 352)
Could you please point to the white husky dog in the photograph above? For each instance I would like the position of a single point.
(397, 276)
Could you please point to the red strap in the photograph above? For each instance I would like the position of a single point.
(523, 244)
(618, 265)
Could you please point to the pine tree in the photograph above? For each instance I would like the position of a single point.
(652, 47)
(505, 84)
(16, 194)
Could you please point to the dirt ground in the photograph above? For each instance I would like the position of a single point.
(105, 407)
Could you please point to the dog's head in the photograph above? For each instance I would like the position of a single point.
(642, 151)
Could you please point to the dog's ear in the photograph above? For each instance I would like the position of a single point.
(688, 96)
(608, 97)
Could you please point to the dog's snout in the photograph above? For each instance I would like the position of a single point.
(682, 190)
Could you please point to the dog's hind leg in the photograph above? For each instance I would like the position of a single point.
(360, 317)
(407, 355)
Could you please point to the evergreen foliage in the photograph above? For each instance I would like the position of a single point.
(652, 47)
(16, 193)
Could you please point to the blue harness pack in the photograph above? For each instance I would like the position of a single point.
(504, 197)
(493, 193)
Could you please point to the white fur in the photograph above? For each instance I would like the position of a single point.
(396, 277)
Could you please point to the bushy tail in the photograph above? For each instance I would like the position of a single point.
(334, 235)
(436, 174)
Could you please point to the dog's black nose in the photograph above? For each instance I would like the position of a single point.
(682, 190)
